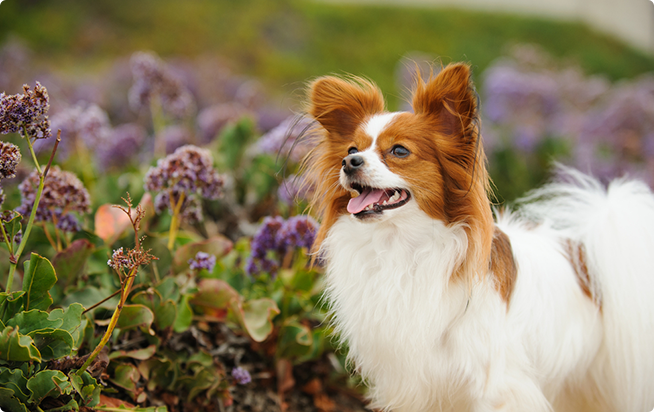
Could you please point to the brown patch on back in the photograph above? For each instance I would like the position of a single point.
(576, 255)
(502, 265)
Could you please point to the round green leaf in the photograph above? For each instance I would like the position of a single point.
(39, 277)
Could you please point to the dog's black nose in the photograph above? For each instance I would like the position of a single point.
(351, 163)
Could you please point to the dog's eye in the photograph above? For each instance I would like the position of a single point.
(352, 150)
(400, 151)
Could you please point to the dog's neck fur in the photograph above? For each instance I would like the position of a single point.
(394, 299)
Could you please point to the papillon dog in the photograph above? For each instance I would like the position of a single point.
(446, 305)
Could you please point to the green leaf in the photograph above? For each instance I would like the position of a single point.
(139, 354)
(134, 316)
(89, 296)
(257, 315)
(15, 380)
(13, 226)
(39, 277)
(87, 387)
(69, 263)
(126, 376)
(9, 403)
(17, 347)
(53, 343)
(33, 320)
(10, 304)
(71, 320)
(72, 405)
(215, 297)
(184, 315)
(48, 382)
(168, 289)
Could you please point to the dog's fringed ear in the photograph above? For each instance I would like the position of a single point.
(450, 97)
(341, 105)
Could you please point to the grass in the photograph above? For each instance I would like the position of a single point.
(286, 42)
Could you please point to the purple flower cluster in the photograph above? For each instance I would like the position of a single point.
(189, 171)
(63, 194)
(154, 79)
(241, 376)
(292, 138)
(26, 113)
(214, 118)
(610, 127)
(203, 260)
(86, 123)
(275, 238)
(175, 137)
(527, 99)
(9, 158)
(123, 143)
(617, 137)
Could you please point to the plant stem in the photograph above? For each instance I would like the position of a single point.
(14, 258)
(125, 289)
(175, 222)
(7, 241)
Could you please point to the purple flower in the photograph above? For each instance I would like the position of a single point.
(175, 137)
(63, 193)
(241, 376)
(153, 79)
(123, 144)
(203, 260)
(9, 158)
(293, 138)
(297, 231)
(88, 124)
(188, 171)
(275, 238)
(26, 113)
(213, 119)
(616, 138)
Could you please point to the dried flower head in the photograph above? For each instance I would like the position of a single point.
(126, 261)
(63, 193)
(276, 238)
(26, 113)
(203, 260)
(188, 171)
(9, 158)
(154, 79)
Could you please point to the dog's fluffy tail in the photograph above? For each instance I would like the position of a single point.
(616, 228)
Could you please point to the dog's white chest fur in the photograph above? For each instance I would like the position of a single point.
(425, 342)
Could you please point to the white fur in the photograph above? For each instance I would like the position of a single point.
(426, 342)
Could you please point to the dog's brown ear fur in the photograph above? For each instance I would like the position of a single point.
(450, 97)
(341, 105)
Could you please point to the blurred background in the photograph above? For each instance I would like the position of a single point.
(555, 78)
(130, 82)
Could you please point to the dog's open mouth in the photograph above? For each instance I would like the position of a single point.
(374, 201)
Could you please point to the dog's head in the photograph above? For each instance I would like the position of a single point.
(375, 165)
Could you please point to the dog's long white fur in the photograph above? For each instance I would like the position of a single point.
(425, 343)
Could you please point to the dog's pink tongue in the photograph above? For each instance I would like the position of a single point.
(368, 197)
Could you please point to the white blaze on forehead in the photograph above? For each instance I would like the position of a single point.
(375, 173)
(376, 125)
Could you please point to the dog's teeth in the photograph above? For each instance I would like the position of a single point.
(395, 196)
(384, 202)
